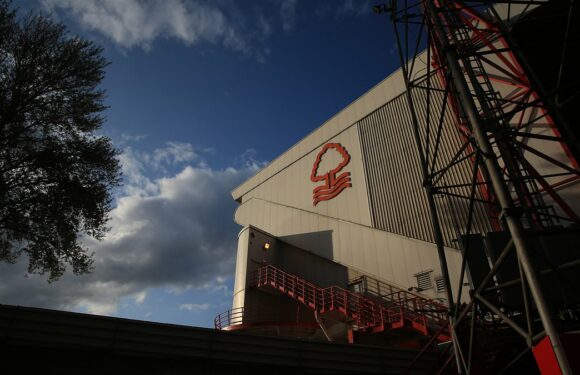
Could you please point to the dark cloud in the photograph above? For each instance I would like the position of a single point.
(173, 232)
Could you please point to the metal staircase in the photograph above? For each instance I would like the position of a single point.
(416, 308)
(368, 315)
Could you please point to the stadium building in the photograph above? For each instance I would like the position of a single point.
(346, 201)
(354, 239)
(338, 241)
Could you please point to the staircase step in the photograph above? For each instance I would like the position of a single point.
(366, 314)
(396, 325)
(443, 338)
(378, 329)
(420, 327)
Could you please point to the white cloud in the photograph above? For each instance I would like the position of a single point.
(98, 308)
(126, 138)
(173, 153)
(248, 160)
(139, 167)
(264, 25)
(140, 297)
(194, 306)
(172, 232)
(345, 8)
(137, 23)
(134, 164)
(288, 14)
(351, 7)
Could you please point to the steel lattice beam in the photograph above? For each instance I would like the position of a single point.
(510, 131)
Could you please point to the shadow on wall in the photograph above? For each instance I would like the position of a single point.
(319, 243)
(310, 255)
(307, 255)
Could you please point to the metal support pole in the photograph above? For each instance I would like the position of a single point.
(471, 340)
(552, 107)
(426, 180)
(510, 216)
(527, 309)
(506, 251)
(504, 317)
(438, 235)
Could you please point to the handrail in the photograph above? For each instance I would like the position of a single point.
(243, 316)
(364, 312)
(433, 310)
(229, 318)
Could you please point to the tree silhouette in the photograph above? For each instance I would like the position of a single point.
(55, 172)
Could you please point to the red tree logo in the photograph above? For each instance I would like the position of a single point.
(333, 184)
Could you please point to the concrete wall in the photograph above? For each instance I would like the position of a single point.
(252, 255)
(38, 341)
(387, 256)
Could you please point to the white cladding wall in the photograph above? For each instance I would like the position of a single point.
(241, 268)
(292, 185)
(388, 256)
(278, 200)
(382, 93)
(397, 198)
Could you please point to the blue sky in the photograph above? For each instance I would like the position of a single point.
(201, 94)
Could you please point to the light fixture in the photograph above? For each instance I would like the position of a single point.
(267, 246)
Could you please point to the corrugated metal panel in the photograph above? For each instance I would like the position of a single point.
(398, 202)
(394, 177)
(453, 211)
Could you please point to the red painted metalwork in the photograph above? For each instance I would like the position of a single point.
(333, 185)
(545, 357)
(242, 318)
(492, 212)
(521, 163)
(487, 51)
(396, 310)
(426, 347)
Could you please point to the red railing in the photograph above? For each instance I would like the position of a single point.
(243, 317)
(366, 314)
(418, 310)
(229, 318)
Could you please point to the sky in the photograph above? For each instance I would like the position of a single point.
(201, 95)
